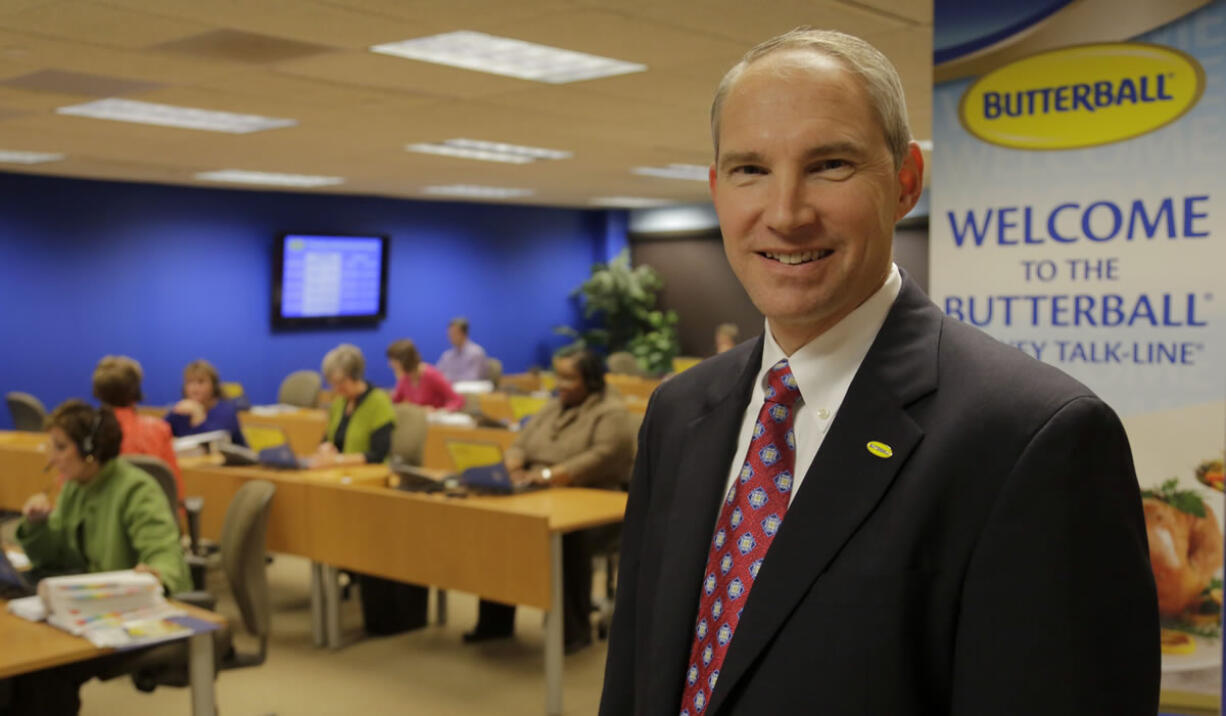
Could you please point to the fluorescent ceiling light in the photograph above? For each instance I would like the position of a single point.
(512, 149)
(487, 151)
(167, 115)
(629, 202)
(10, 156)
(241, 176)
(505, 56)
(449, 151)
(475, 191)
(693, 172)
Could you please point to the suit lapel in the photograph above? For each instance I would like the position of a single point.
(846, 480)
(708, 443)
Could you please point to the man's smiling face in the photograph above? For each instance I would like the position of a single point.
(806, 192)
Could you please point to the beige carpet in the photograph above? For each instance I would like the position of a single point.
(428, 671)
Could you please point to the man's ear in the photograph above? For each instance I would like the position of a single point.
(910, 180)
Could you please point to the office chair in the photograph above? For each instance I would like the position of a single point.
(300, 388)
(493, 371)
(624, 363)
(409, 435)
(409, 446)
(234, 391)
(243, 537)
(28, 412)
(605, 544)
(192, 506)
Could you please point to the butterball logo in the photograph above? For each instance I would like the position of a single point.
(1082, 96)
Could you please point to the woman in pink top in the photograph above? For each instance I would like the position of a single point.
(418, 382)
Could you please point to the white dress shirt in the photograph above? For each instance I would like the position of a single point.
(824, 368)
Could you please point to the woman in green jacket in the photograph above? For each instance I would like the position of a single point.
(109, 516)
(360, 419)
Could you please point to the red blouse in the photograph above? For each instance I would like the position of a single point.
(147, 435)
(430, 388)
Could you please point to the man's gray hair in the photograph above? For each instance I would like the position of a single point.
(347, 360)
(874, 69)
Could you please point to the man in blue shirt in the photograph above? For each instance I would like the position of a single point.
(465, 360)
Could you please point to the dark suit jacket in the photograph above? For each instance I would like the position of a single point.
(995, 564)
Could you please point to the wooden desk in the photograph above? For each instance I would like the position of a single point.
(630, 386)
(288, 527)
(523, 382)
(496, 406)
(42, 646)
(306, 428)
(435, 455)
(503, 548)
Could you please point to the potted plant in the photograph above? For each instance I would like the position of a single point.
(619, 304)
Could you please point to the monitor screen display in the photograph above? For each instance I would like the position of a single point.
(330, 279)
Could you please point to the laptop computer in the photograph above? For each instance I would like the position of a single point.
(13, 584)
(490, 480)
(410, 478)
(198, 441)
(482, 469)
(279, 456)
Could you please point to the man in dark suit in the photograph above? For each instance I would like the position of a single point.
(872, 508)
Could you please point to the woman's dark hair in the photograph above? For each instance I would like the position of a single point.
(96, 433)
(205, 369)
(117, 381)
(405, 353)
(591, 367)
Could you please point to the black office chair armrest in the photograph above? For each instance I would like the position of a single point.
(204, 600)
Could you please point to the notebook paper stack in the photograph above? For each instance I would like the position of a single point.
(113, 609)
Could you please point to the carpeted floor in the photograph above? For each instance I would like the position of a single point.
(428, 671)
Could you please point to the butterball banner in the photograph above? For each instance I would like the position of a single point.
(1078, 215)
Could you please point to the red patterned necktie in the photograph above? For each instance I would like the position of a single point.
(751, 515)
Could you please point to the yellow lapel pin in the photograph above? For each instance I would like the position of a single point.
(880, 449)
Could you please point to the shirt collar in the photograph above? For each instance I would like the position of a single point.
(824, 366)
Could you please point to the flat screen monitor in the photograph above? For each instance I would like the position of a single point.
(329, 280)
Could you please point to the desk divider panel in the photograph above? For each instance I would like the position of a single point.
(435, 455)
(449, 543)
(305, 428)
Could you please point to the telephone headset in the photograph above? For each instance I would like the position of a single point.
(87, 446)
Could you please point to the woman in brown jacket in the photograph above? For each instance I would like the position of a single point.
(581, 438)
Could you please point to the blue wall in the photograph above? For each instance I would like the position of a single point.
(170, 274)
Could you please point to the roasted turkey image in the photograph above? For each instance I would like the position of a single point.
(1185, 551)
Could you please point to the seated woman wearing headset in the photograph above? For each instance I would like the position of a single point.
(109, 516)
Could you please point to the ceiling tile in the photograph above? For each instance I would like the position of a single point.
(239, 46)
(100, 24)
(356, 110)
(79, 83)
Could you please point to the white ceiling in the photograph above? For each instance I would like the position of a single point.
(309, 60)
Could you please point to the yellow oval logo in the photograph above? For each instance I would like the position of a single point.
(1082, 96)
(880, 449)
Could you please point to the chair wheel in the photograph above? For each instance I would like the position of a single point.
(144, 681)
